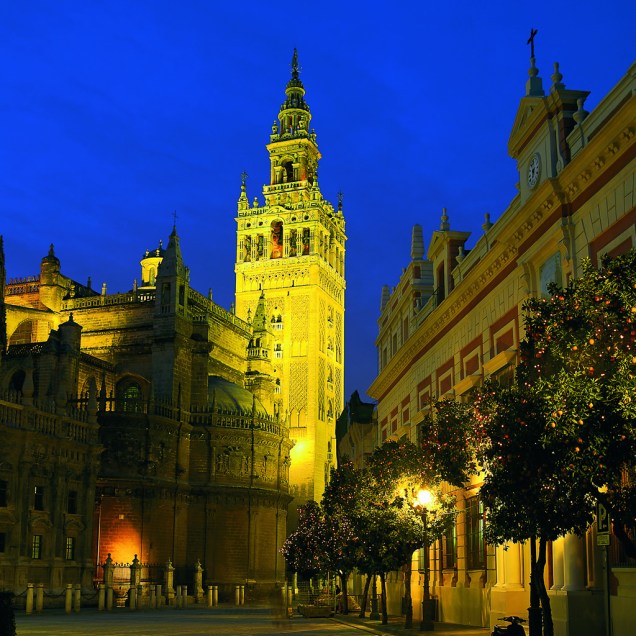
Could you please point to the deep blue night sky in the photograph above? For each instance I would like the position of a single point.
(115, 114)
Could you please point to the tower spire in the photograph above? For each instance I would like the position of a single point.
(294, 64)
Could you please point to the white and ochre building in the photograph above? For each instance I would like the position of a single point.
(455, 319)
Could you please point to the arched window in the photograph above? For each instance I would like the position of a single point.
(288, 172)
(17, 381)
(277, 239)
(130, 397)
(23, 334)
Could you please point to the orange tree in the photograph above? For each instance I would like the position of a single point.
(303, 549)
(394, 528)
(562, 437)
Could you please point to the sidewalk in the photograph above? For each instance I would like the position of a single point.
(396, 626)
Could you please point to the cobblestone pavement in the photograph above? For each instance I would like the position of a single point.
(221, 621)
(204, 622)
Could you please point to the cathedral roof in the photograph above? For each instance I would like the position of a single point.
(232, 398)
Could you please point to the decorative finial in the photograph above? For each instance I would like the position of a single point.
(445, 225)
(557, 84)
(533, 33)
(487, 222)
(581, 113)
(243, 179)
(174, 220)
(294, 65)
(340, 198)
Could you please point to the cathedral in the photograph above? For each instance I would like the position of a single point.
(156, 424)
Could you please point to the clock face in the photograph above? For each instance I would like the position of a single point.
(534, 170)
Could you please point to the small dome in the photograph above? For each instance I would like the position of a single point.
(231, 397)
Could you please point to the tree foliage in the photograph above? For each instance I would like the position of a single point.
(579, 356)
(449, 442)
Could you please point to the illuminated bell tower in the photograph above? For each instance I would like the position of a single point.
(291, 251)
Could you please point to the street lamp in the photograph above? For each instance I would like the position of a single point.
(424, 501)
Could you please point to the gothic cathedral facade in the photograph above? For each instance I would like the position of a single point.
(290, 253)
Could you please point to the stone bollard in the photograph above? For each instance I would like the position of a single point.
(29, 599)
(177, 603)
(242, 597)
(109, 597)
(209, 596)
(290, 600)
(39, 597)
(215, 595)
(132, 597)
(68, 598)
(159, 596)
(77, 597)
(101, 597)
(169, 582)
(153, 597)
(184, 597)
(198, 581)
(109, 571)
(237, 595)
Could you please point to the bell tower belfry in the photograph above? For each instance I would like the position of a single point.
(290, 254)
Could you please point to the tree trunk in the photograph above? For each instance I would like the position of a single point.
(344, 576)
(365, 596)
(548, 625)
(385, 616)
(408, 598)
(534, 611)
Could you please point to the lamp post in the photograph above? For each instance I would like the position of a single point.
(424, 500)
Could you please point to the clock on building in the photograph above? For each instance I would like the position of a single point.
(534, 170)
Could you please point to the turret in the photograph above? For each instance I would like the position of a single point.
(150, 262)
(51, 288)
(172, 279)
(259, 376)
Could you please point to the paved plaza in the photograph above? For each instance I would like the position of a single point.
(221, 621)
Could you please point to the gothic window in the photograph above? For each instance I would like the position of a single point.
(277, 239)
(306, 241)
(70, 549)
(24, 333)
(181, 294)
(36, 546)
(247, 249)
(71, 502)
(293, 243)
(130, 397)
(288, 172)
(17, 381)
(38, 498)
